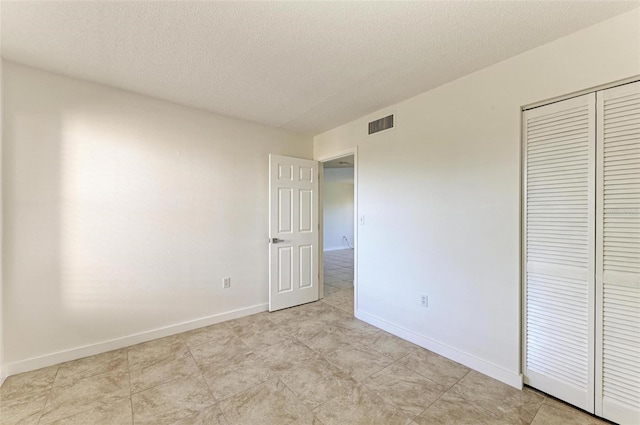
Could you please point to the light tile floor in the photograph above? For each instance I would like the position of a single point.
(338, 279)
(313, 364)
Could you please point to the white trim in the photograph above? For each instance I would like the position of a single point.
(336, 248)
(599, 260)
(513, 379)
(335, 155)
(581, 92)
(114, 344)
(3, 376)
(321, 159)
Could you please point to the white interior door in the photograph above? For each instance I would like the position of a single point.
(293, 231)
(618, 260)
(559, 253)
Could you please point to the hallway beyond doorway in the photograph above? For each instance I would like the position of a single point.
(338, 279)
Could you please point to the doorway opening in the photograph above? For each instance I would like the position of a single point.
(339, 231)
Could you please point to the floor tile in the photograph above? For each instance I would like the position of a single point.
(145, 354)
(209, 416)
(331, 279)
(287, 315)
(211, 355)
(391, 345)
(23, 384)
(259, 334)
(25, 409)
(90, 393)
(516, 406)
(302, 328)
(268, 403)
(75, 370)
(308, 419)
(170, 402)
(452, 410)
(239, 374)
(346, 285)
(405, 389)
(361, 407)
(286, 355)
(316, 381)
(434, 367)
(328, 340)
(342, 298)
(330, 289)
(345, 322)
(553, 412)
(178, 365)
(358, 363)
(214, 334)
(117, 413)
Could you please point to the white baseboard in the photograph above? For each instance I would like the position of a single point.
(114, 344)
(335, 248)
(469, 360)
(3, 375)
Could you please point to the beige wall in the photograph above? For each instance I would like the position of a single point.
(441, 196)
(123, 214)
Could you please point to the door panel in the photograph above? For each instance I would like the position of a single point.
(559, 255)
(293, 231)
(618, 259)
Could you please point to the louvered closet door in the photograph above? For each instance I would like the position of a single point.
(559, 254)
(618, 258)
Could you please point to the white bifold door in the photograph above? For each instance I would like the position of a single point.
(293, 231)
(582, 251)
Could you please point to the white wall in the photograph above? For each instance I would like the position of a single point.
(337, 204)
(441, 196)
(123, 214)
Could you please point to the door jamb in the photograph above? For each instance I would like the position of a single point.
(321, 159)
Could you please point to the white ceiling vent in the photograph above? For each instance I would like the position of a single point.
(381, 124)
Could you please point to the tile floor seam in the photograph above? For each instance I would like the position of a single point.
(202, 375)
(48, 395)
(276, 375)
(500, 416)
(537, 412)
(130, 388)
(435, 401)
(297, 397)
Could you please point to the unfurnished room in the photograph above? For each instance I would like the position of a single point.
(319, 212)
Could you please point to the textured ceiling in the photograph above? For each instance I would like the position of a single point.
(301, 66)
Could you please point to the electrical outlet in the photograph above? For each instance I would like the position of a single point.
(226, 282)
(424, 301)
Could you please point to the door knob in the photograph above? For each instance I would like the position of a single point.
(276, 240)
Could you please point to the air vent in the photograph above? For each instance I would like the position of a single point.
(381, 124)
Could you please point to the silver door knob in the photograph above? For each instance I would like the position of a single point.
(276, 240)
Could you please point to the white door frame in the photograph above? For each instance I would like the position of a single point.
(322, 159)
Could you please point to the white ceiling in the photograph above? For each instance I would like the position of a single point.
(301, 66)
